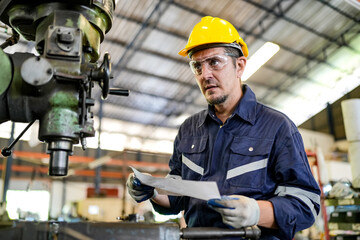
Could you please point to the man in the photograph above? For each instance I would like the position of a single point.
(253, 152)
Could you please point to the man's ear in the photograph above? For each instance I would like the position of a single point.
(240, 66)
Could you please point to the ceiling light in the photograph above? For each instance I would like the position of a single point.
(259, 58)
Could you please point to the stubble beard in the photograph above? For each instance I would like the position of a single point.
(218, 100)
(215, 101)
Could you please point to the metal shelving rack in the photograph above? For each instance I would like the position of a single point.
(353, 226)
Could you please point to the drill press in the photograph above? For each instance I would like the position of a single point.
(55, 86)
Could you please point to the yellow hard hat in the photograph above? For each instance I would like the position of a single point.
(212, 30)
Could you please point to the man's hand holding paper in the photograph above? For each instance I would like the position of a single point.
(176, 187)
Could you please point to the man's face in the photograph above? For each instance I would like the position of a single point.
(217, 77)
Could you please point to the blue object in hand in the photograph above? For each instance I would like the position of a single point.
(138, 191)
(213, 203)
(139, 186)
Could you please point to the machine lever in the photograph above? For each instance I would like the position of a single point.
(7, 150)
(11, 40)
(119, 92)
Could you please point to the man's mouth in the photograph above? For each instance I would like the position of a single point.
(209, 87)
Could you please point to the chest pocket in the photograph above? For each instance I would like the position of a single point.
(193, 157)
(248, 162)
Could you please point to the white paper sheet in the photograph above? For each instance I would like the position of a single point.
(179, 187)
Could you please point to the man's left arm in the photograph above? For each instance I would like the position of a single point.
(296, 200)
(267, 218)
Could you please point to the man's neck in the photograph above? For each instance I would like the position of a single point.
(223, 111)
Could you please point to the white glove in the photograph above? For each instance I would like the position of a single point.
(237, 211)
(138, 191)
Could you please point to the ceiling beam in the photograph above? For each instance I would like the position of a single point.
(338, 10)
(266, 16)
(303, 26)
(306, 64)
(143, 32)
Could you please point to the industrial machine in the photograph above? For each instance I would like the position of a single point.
(117, 231)
(55, 87)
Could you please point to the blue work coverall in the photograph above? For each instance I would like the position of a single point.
(258, 152)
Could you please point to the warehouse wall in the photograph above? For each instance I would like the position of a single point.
(62, 193)
(74, 191)
(332, 167)
(313, 139)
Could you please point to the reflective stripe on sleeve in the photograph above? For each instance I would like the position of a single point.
(247, 168)
(305, 196)
(192, 165)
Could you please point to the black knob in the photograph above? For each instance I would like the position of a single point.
(6, 152)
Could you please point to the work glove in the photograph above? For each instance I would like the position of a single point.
(237, 211)
(138, 191)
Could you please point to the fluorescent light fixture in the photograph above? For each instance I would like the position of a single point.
(259, 58)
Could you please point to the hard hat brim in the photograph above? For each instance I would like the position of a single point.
(190, 51)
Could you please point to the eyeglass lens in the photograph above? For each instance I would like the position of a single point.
(216, 62)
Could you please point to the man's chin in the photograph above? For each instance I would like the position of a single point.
(216, 100)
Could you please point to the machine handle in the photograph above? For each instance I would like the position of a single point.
(210, 233)
(119, 92)
(105, 69)
(8, 150)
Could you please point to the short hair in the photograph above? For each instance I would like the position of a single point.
(234, 53)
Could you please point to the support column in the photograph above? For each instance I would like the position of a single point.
(351, 115)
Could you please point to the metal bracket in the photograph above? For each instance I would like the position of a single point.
(63, 42)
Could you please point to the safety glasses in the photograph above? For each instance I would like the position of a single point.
(214, 63)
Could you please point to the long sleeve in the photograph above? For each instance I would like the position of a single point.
(297, 197)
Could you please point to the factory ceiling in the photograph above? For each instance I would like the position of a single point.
(318, 61)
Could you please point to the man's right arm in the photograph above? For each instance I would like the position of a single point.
(141, 192)
(164, 204)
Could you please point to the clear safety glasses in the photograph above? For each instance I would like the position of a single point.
(216, 62)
